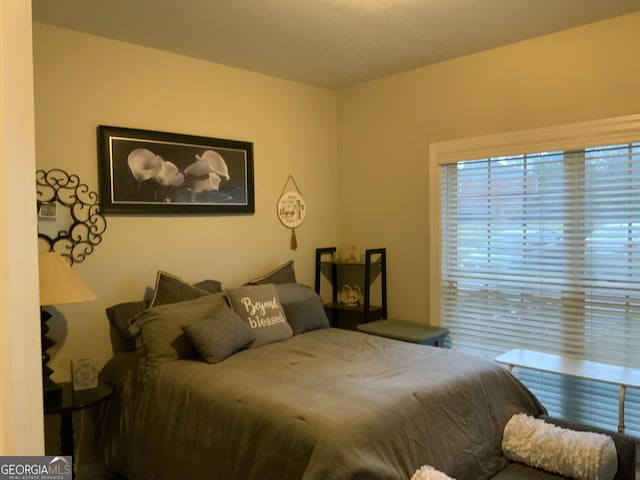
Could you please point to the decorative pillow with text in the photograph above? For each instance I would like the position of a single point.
(259, 306)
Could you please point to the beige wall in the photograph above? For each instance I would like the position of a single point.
(21, 428)
(386, 126)
(382, 133)
(366, 146)
(82, 81)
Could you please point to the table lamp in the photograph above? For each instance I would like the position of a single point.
(59, 284)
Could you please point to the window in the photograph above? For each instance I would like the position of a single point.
(542, 251)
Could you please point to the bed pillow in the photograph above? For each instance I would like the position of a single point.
(121, 314)
(119, 317)
(283, 274)
(159, 329)
(259, 306)
(171, 289)
(220, 336)
(303, 307)
(574, 454)
(211, 286)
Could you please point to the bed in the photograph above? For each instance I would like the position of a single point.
(320, 404)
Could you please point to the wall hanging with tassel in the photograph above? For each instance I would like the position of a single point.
(291, 209)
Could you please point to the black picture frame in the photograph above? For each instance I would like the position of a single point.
(151, 172)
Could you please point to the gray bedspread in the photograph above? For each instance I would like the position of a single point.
(325, 405)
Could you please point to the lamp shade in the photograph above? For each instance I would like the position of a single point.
(59, 283)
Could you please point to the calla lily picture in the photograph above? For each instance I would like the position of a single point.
(145, 171)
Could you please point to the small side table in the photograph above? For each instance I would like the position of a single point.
(72, 401)
(406, 331)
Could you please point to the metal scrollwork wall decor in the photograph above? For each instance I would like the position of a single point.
(69, 218)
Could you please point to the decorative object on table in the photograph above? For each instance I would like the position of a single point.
(59, 284)
(291, 208)
(72, 231)
(350, 296)
(350, 254)
(84, 374)
(144, 171)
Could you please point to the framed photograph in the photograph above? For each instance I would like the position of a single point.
(48, 210)
(149, 172)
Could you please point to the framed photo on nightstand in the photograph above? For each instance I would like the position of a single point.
(84, 374)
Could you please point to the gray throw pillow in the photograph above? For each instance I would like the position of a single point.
(121, 314)
(283, 274)
(171, 289)
(211, 286)
(259, 306)
(159, 329)
(220, 336)
(303, 307)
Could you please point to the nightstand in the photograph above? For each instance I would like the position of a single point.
(406, 331)
(72, 401)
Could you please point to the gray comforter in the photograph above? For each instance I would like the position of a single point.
(326, 405)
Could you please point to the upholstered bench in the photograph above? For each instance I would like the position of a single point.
(597, 455)
(406, 331)
(625, 448)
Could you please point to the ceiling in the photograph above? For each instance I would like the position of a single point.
(328, 43)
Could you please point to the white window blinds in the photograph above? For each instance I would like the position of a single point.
(542, 251)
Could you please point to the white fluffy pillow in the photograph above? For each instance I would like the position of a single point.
(427, 472)
(579, 455)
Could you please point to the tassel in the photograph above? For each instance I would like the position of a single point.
(294, 240)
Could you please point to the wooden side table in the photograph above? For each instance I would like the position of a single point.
(72, 401)
(406, 331)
